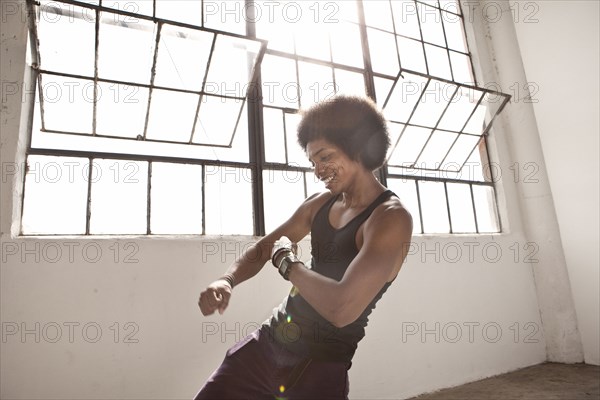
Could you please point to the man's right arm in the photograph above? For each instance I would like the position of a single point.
(216, 295)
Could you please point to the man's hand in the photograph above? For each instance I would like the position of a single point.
(215, 297)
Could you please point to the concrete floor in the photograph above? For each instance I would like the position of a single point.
(548, 381)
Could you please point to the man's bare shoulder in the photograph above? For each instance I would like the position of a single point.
(393, 212)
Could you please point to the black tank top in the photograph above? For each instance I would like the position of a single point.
(295, 323)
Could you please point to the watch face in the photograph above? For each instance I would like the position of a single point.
(284, 267)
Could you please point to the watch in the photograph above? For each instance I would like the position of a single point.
(286, 264)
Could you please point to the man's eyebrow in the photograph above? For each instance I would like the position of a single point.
(318, 151)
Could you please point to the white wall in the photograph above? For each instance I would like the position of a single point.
(560, 48)
(462, 308)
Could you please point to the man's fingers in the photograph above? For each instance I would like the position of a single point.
(224, 302)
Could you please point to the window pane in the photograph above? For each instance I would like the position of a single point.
(274, 135)
(296, 155)
(431, 24)
(121, 110)
(454, 32)
(433, 103)
(382, 89)
(433, 206)
(272, 26)
(384, 55)
(283, 193)
(437, 62)
(410, 146)
(378, 14)
(66, 41)
(176, 199)
(119, 197)
(473, 168)
(126, 50)
(346, 46)
(228, 196)
(56, 195)
(68, 103)
(450, 6)
(460, 108)
(312, 40)
(171, 123)
(406, 19)
(182, 57)
(461, 149)
(231, 66)
(137, 7)
(351, 83)
(239, 149)
(436, 149)
(316, 83)
(404, 97)
(187, 11)
(279, 82)
(227, 16)
(406, 189)
(461, 208)
(461, 68)
(411, 55)
(485, 206)
(217, 121)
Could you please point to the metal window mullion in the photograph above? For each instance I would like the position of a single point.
(394, 33)
(422, 39)
(413, 113)
(203, 205)
(142, 85)
(154, 19)
(409, 117)
(152, 76)
(473, 111)
(88, 212)
(256, 136)
(419, 204)
(135, 139)
(439, 179)
(204, 78)
(447, 45)
(237, 122)
(448, 206)
(474, 209)
(368, 64)
(285, 146)
(315, 61)
(96, 53)
(440, 120)
(429, 127)
(137, 157)
(471, 153)
(149, 199)
(487, 155)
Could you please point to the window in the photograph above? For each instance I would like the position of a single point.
(156, 117)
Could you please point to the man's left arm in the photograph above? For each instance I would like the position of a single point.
(386, 238)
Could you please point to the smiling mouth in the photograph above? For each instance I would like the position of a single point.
(328, 179)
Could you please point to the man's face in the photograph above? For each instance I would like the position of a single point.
(332, 166)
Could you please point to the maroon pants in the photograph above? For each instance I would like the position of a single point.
(260, 368)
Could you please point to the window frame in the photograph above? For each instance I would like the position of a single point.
(257, 163)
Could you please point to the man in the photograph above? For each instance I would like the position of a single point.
(359, 238)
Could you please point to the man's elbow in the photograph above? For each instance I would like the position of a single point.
(343, 316)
